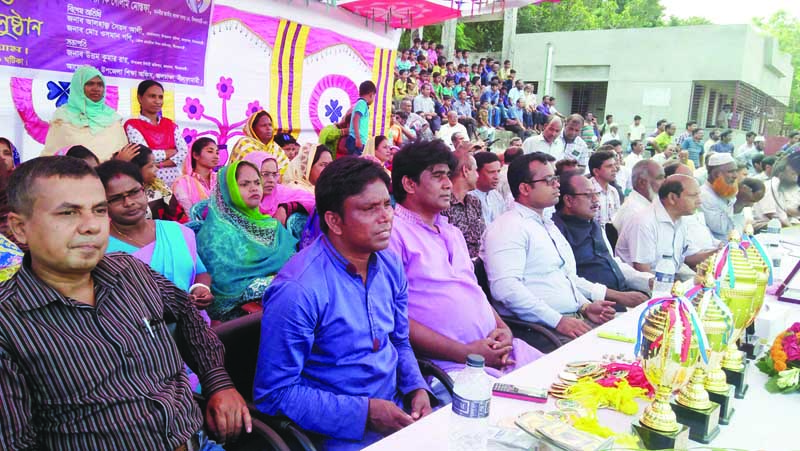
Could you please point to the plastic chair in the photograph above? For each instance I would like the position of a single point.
(241, 337)
(262, 437)
(533, 333)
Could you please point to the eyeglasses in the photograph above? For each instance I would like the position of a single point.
(269, 175)
(122, 196)
(589, 195)
(551, 180)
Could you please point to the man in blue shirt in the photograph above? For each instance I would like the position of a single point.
(359, 121)
(335, 355)
(695, 146)
(724, 145)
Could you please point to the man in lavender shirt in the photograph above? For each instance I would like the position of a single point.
(449, 314)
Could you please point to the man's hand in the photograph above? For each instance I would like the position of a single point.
(420, 404)
(226, 413)
(626, 298)
(600, 311)
(502, 338)
(572, 327)
(385, 417)
(494, 358)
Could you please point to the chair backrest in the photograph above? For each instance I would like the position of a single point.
(483, 278)
(241, 338)
(613, 235)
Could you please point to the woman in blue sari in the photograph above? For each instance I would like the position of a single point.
(242, 248)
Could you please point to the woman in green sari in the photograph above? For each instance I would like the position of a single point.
(242, 248)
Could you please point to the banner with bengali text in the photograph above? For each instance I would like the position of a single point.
(163, 40)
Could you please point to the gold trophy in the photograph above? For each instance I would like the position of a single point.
(696, 406)
(667, 344)
(742, 288)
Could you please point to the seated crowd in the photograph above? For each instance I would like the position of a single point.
(128, 240)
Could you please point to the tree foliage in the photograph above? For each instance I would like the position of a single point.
(568, 15)
(786, 30)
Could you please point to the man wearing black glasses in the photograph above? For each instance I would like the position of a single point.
(574, 217)
(530, 264)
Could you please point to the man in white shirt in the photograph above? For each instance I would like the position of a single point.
(574, 147)
(713, 138)
(530, 265)
(508, 156)
(549, 141)
(782, 197)
(603, 168)
(660, 230)
(623, 179)
(718, 194)
(647, 177)
(746, 151)
(637, 148)
(492, 203)
(637, 130)
(451, 128)
(516, 92)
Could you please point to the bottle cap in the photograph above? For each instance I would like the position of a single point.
(475, 360)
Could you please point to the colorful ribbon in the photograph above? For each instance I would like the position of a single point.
(752, 239)
(685, 313)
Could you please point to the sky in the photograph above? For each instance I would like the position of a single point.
(729, 11)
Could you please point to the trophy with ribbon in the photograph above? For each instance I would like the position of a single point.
(742, 288)
(707, 400)
(669, 341)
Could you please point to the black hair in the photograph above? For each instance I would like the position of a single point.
(637, 118)
(750, 134)
(690, 123)
(413, 159)
(566, 188)
(343, 178)
(81, 152)
(598, 158)
(20, 190)
(143, 157)
(323, 148)
(197, 147)
(378, 140)
(245, 163)
(112, 168)
(519, 170)
(755, 185)
(484, 158)
(147, 84)
(609, 116)
(725, 133)
(366, 88)
(768, 161)
(671, 168)
(613, 143)
(757, 158)
(635, 142)
(511, 154)
(670, 186)
(698, 129)
(561, 165)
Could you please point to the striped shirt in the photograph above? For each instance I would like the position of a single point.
(79, 377)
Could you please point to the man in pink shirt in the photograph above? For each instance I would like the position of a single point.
(449, 314)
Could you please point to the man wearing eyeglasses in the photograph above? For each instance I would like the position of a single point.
(530, 264)
(575, 219)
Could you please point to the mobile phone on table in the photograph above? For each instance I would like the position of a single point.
(522, 393)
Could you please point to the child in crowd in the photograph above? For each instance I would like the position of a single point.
(359, 122)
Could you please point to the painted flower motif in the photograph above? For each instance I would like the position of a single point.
(58, 92)
(225, 88)
(189, 135)
(193, 108)
(333, 111)
(252, 107)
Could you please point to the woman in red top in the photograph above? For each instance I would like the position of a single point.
(158, 133)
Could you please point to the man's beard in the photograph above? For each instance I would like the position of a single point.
(723, 189)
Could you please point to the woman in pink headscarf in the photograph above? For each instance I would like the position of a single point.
(279, 201)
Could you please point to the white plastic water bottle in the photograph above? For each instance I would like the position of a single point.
(774, 244)
(472, 394)
(665, 277)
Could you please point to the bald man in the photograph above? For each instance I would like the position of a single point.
(661, 230)
(452, 127)
(549, 141)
